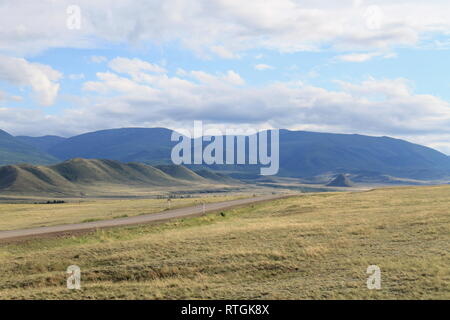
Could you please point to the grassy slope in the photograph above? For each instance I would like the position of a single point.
(94, 177)
(180, 172)
(312, 246)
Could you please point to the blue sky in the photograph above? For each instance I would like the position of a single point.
(428, 70)
(358, 67)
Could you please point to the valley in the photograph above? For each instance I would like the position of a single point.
(309, 246)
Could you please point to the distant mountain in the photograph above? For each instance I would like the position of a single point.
(302, 154)
(41, 143)
(79, 176)
(13, 150)
(130, 144)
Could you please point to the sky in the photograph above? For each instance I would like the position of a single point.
(351, 66)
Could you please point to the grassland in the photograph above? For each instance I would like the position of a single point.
(30, 215)
(313, 246)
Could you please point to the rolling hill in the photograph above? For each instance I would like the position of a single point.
(215, 176)
(181, 172)
(74, 177)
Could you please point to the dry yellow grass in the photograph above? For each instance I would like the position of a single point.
(28, 215)
(314, 246)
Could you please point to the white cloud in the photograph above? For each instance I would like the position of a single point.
(98, 59)
(372, 88)
(42, 79)
(282, 25)
(390, 55)
(224, 53)
(362, 57)
(16, 98)
(133, 66)
(357, 57)
(181, 72)
(76, 76)
(233, 78)
(230, 77)
(262, 67)
(6, 97)
(110, 82)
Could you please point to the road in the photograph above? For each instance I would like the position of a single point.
(76, 228)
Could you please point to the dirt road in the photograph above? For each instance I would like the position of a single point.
(7, 236)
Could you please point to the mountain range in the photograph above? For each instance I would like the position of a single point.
(302, 154)
(14, 150)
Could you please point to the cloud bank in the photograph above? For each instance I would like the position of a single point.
(223, 27)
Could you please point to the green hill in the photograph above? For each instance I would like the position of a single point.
(181, 172)
(215, 176)
(74, 177)
(110, 171)
(27, 179)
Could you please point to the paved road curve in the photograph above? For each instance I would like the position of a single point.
(148, 218)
